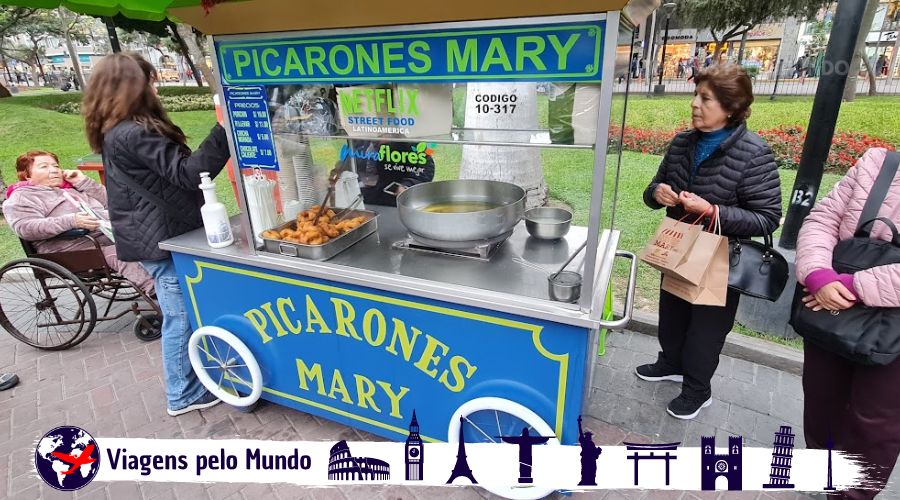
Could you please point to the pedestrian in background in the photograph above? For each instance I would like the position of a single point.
(857, 406)
(718, 162)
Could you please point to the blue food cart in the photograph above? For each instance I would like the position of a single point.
(384, 319)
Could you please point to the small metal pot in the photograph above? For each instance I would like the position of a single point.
(565, 286)
(546, 223)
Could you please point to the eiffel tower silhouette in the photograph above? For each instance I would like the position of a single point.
(461, 469)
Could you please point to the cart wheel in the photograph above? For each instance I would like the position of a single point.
(225, 366)
(45, 305)
(486, 418)
(147, 327)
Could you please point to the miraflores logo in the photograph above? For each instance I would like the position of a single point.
(67, 458)
(418, 154)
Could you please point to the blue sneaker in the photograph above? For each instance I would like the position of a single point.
(207, 400)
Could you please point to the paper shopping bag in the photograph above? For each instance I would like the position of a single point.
(671, 250)
(712, 290)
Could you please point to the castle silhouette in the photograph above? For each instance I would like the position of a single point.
(713, 466)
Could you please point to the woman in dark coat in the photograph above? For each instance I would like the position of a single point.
(717, 163)
(153, 183)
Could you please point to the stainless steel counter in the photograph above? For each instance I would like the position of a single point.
(502, 284)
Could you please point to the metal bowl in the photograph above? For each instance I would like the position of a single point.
(545, 223)
(565, 286)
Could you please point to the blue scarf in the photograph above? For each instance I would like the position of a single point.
(706, 146)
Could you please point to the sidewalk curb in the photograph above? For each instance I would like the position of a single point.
(739, 346)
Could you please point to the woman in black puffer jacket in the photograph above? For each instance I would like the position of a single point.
(153, 182)
(719, 162)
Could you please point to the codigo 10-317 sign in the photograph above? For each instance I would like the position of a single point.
(561, 52)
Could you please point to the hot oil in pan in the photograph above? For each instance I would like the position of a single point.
(459, 207)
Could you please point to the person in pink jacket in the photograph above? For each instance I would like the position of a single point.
(857, 406)
(45, 204)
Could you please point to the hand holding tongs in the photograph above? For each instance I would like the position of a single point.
(332, 181)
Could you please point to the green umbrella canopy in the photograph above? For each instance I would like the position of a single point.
(149, 10)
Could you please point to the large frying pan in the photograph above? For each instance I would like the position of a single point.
(507, 200)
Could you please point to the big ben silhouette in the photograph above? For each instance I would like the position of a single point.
(415, 452)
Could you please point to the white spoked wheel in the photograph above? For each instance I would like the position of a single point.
(483, 419)
(225, 366)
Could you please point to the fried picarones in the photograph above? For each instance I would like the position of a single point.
(307, 233)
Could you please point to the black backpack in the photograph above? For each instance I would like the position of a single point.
(866, 335)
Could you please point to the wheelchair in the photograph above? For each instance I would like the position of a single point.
(50, 300)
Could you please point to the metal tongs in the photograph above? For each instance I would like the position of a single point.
(344, 211)
(332, 181)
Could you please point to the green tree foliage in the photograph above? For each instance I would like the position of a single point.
(163, 34)
(10, 17)
(728, 19)
(36, 27)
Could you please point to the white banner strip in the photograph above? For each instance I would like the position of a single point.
(494, 466)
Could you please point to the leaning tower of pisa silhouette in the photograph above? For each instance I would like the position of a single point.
(782, 453)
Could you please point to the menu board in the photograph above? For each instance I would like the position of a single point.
(249, 116)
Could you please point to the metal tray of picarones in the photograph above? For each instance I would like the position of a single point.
(328, 249)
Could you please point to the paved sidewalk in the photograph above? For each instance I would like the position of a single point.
(111, 384)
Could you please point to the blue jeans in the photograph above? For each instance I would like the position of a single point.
(182, 385)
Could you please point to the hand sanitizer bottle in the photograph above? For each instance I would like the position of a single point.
(215, 217)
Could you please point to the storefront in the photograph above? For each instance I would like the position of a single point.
(681, 47)
(760, 49)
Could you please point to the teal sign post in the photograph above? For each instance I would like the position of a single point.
(557, 52)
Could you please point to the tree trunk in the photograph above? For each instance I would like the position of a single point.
(37, 60)
(520, 166)
(867, 20)
(35, 77)
(4, 92)
(70, 46)
(870, 71)
(185, 53)
(717, 53)
(9, 77)
(740, 57)
(187, 34)
(76, 63)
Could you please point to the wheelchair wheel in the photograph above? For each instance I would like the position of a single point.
(45, 305)
(147, 327)
(225, 366)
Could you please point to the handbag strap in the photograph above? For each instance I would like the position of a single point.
(133, 184)
(767, 237)
(878, 193)
(895, 236)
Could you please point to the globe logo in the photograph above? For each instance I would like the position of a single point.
(67, 458)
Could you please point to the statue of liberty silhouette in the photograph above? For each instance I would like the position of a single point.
(589, 455)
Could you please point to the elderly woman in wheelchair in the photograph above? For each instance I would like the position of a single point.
(49, 210)
(46, 204)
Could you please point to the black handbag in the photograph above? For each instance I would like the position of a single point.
(756, 269)
(863, 334)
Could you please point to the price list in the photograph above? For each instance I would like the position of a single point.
(250, 126)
